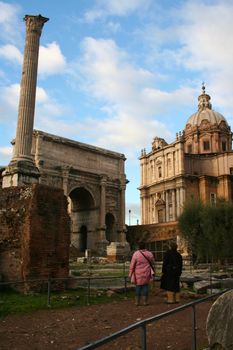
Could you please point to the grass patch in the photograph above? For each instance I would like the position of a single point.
(12, 302)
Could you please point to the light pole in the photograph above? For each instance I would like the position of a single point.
(129, 217)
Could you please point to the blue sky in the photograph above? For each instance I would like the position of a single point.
(117, 73)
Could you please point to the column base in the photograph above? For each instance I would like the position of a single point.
(19, 173)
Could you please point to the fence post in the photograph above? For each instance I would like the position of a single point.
(143, 337)
(88, 290)
(49, 293)
(125, 280)
(194, 328)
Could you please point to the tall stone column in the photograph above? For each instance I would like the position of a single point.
(22, 169)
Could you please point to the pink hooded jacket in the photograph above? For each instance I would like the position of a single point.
(140, 269)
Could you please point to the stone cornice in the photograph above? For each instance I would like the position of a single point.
(77, 144)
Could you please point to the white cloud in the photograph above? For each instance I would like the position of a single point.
(206, 35)
(113, 27)
(128, 98)
(5, 154)
(41, 95)
(124, 132)
(197, 40)
(6, 150)
(9, 97)
(51, 59)
(11, 53)
(104, 8)
(206, 46)
(46, 107)
(108, 75)
(9, 22)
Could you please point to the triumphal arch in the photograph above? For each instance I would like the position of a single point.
(94, 181)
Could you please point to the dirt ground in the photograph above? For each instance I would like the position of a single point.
(75, 327)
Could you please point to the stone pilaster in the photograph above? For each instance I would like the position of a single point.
(102, 202)
(22, 169)
(173, 206)
(102, 242)
(65, 179)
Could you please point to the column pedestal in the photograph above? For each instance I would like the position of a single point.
(117, 251)
(20, 173)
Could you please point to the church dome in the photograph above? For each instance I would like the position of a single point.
(205, 112)
(207, 131)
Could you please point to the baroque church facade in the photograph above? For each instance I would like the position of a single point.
(198, 165)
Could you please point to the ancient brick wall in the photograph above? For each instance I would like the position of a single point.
(34, 233)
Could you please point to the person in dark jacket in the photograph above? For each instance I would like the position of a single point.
(171, 271)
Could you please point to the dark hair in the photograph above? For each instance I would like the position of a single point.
(173, 246)
(141, 245)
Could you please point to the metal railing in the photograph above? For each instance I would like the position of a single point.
(86, 283)
(142, 325)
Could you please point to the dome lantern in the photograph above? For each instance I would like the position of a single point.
(204, 100)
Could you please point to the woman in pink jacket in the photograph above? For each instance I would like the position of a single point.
(141, 272)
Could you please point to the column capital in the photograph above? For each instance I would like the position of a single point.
(66, 170)
(35, 23)
(103, 180)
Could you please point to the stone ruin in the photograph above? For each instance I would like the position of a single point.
(34, 233)
(220, 323)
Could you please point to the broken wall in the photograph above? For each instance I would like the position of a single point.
(34, 233)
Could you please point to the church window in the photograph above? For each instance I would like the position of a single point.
(169, 166)
(160, 215)
(170, 213)
(169, 197)
(160, 171)
(213, 198)
(224, 146)
(206, 145)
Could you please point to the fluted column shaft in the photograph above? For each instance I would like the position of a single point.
(23, 141)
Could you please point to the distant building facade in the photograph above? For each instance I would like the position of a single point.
(198, 164)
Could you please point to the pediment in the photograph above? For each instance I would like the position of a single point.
(205, 124)
(223, 126)
(159, 202)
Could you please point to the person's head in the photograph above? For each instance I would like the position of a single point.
(141, 245)
(173, 246)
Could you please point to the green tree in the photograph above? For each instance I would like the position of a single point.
(189, 224)
(217, 223)
(208, 229)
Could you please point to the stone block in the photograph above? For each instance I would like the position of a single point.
(220, 323)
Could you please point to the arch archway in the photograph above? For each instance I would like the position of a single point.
(110, 223)
(83, 238)
(82, 213)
